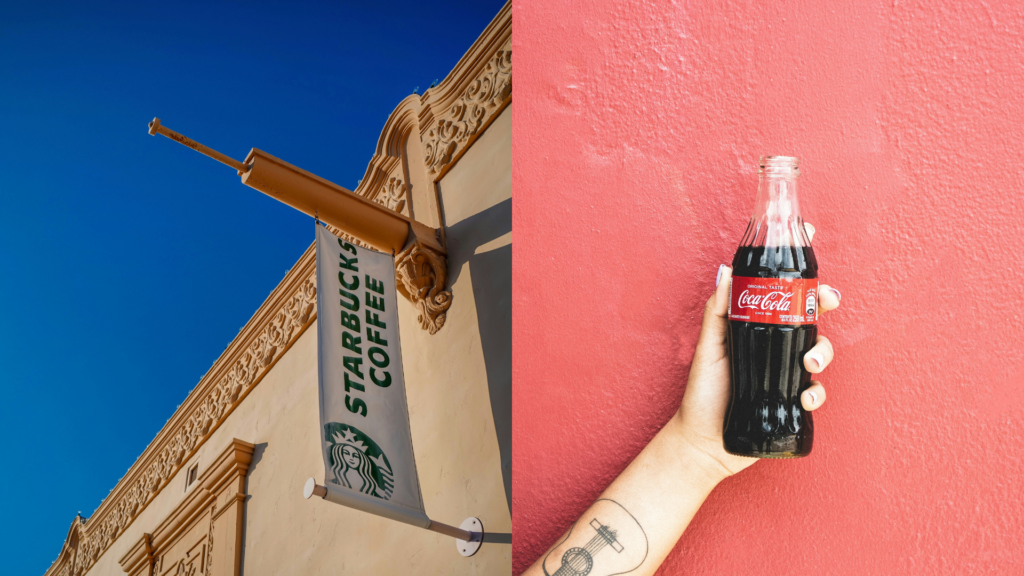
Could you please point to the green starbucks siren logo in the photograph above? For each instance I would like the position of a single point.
(357, 462)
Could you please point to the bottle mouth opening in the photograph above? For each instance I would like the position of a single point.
(780, 165)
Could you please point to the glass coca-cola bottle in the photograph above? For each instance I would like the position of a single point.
(773, 311)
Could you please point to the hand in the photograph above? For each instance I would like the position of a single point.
(702, 414)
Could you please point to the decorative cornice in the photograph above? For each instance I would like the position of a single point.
(461, 107)
(422, 274)
(65, 560)
(392, 195)
(387, 159)
(284, 316)
(456, 110)
(453, 131)
(347, 237)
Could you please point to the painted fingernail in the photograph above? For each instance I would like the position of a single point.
(838, 295)
(818, 360)
(814, 398)
(718, 278)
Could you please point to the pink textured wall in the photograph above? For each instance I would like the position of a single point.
(637, 129)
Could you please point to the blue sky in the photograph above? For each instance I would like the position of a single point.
(129, 262)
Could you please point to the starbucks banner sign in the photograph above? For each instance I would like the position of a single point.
(364, 415)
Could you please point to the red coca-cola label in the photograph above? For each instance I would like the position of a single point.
(773, 300)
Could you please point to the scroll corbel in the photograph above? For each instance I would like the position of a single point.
(421, 273)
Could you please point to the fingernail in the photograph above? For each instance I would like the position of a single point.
(818, 360)
(814, 398)
(838, 295)
(718, 278)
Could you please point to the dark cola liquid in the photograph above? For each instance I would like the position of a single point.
(765, 418)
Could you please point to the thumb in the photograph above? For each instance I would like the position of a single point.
(715, 325)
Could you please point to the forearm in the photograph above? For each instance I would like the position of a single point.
(661, 490)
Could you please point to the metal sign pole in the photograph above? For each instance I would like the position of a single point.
(155, 128)
(379, 226)
(468, 536)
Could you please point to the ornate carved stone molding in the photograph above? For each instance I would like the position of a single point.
(422, 274)
(348, 237)
(386, 163)
(451, 133)
(392, 195)
(65, 561)
(284, 316)
(459, 109)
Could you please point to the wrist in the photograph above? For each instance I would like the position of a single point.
(695, 453)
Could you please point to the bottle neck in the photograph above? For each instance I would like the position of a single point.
(776, 219)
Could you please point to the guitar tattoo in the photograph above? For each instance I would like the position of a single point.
(614, 528)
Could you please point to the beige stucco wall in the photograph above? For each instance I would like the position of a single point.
(476, 195)
(459, 389)
(483, 176)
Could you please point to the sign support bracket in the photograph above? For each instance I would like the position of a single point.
(468, 536)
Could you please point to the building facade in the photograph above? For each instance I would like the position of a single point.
(219, 490)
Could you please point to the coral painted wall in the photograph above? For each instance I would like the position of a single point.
(637, 130)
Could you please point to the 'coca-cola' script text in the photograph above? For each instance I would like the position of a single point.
(774, 300)
(770, 301)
